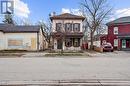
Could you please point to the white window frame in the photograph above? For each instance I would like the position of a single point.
(115, 31)
(115, 42)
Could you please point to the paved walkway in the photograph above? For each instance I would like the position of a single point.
(34, 54)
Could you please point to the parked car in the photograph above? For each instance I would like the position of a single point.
(107, 47)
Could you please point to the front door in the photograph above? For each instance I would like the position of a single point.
(128, 43)
(59, 44)
(123, 43)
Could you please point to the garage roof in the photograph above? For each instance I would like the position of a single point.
(9, 28)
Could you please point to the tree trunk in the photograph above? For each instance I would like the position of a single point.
(91, 41)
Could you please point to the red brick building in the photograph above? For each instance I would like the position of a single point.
(118, 33)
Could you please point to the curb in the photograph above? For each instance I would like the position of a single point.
(67, 83)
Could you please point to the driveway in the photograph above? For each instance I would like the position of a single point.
(103, 67)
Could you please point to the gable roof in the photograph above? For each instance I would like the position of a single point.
(67, 16)
(122, 20)
(9, 28)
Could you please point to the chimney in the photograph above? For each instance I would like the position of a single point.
(53, 13)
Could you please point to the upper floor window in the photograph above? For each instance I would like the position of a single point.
(68, 27)
(115, 30)
(76, 27)
(58, 26)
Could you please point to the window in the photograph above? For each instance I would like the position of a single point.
(115, 30)
(115, 42)
(123, 43)
(76, 27)
(14, 42)
(58, 26)
(68, 27)
(76, 42)
(68, 42)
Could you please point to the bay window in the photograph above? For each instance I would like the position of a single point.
(68, 42)
(76, 42)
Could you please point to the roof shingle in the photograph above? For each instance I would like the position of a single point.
(8, 28)
(67, 16)
(122, 20)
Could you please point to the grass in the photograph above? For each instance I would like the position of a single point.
(10, 54)
(53, 51)
(12, 51)
(63, 54)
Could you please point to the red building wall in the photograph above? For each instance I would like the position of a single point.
(122, 29)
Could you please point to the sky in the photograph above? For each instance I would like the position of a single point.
(37, 10)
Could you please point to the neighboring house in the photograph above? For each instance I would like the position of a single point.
(118, 33)
(21, 37)
(67, 31)
(96, 40)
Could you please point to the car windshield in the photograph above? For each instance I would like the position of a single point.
(107, 44)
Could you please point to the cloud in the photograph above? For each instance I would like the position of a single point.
(73, 11)
(21, 9)
(64, 10)
(121, 13)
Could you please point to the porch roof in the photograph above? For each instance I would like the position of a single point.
(124, 36)
(69, 34)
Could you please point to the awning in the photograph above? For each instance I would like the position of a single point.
(124, 36)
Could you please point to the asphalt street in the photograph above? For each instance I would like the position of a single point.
(66, 71)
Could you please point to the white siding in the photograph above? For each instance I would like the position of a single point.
(2, 44)
(64, 22)
(25, 37)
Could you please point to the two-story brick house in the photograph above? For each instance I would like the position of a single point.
(119, 33)
(67, 31)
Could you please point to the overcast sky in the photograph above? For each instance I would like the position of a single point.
(35, 10)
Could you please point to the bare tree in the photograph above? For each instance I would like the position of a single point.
(46, 30)
(102, 29)
(8, 18)
(96, 12)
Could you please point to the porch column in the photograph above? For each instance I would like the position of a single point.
(63, 45)
(119, 44)
(80, 42)
(55, 44)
